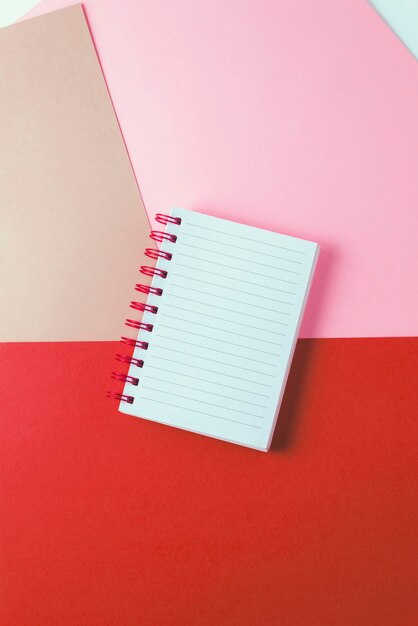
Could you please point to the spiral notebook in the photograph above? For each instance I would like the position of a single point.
(218, 329)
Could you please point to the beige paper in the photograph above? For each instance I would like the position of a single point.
(72, 223)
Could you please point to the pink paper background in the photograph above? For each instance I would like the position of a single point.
(300, 117)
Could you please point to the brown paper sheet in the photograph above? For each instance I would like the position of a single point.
(73, 226)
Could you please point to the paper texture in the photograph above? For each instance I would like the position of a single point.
(223, 337)
(11, 10)
(301, 118)
(73, 225)
(402, 17)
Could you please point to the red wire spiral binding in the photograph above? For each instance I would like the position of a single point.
(159, 235)
(120, 396)
(147, 289)
(142, 345)
(167, 219)
(125, 378)
(152, 253)
(140, 306)
(129, 359)
(139, 325)
(152, 271)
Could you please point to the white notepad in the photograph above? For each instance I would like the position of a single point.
(223, 331)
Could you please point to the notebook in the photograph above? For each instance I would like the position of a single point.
(219, 327)
(66, 187)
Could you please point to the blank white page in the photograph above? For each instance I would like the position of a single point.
(226, 327)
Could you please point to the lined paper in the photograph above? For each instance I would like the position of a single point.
(225, 331)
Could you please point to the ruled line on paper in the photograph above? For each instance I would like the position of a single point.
(218, 328)
(200, 401)
(222, 232)
(240, 258)
(231, 245)
(231, 343)
(233, 299)
(234, 279)
(218, 307)
(202, 413)
(240, 280)
(196, 356)
(238, 356)
(204, 369)
(212, 393)
(212, 382)
(232, 267)
(208, 293)
(281, 269)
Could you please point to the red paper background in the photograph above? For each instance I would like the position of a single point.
(111, 520)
